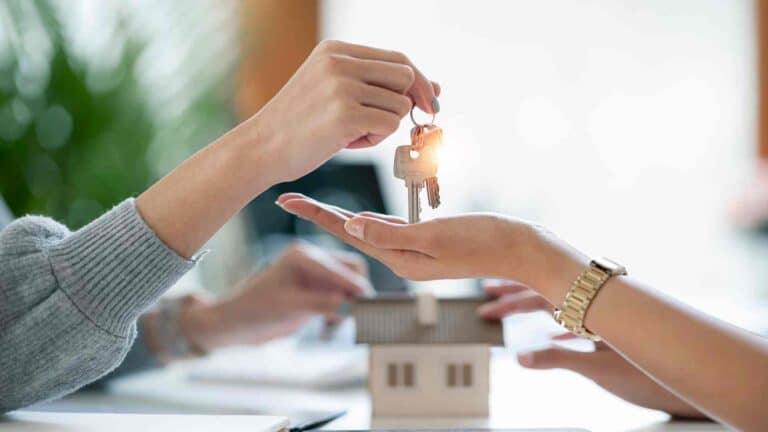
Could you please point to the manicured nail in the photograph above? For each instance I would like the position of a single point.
(355, 228)
(435, 105)
(287, 210)
(525, 359)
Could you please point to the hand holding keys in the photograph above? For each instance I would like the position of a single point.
(417, 165)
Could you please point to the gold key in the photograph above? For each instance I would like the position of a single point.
(417, 165)
(429, 136)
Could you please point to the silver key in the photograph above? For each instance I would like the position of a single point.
(415, 168)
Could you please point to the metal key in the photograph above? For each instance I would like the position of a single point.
(433, 192)
(428, 136)
(415, 168)
(416, 164)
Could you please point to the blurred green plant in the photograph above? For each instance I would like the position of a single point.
(77, 136)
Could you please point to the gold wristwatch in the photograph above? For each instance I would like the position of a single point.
(583, 291)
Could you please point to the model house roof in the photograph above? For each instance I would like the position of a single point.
(408, 319)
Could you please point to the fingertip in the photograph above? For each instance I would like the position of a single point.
(423, 97)
(303, 207)
(436, 88)
(493, 290)
(526, 359)
(289, 196)
(291, 206)
(435, 105)
(485, 310)
(425, 104)
(355, 227)
(362, 287)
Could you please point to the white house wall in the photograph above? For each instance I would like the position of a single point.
(430, 392)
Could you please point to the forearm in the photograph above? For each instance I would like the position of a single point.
(720, 369)
(187, 206)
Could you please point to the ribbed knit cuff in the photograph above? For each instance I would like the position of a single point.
(114, 268)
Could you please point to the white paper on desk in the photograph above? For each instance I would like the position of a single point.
(285, 365)
(29, 421)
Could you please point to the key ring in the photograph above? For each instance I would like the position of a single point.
(431, 123)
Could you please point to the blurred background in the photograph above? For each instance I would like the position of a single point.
(634, 129)
(627, 127)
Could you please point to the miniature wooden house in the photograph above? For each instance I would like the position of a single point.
(428, 356)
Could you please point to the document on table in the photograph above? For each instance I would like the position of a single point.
(287, 366)
(29, 421)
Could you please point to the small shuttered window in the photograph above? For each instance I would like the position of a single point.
(459, 375)
(401, 375)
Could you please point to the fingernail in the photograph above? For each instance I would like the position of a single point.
(287, 210)
(525, 359)
(435, 105)
(355, 228)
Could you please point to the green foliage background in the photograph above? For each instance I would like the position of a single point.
(75, 149)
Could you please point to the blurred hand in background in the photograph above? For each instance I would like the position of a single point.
(304, 281)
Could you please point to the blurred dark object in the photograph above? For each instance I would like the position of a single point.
(749, 210)
(761, 14)
(352, 186)
(82, 121)
(278, 35)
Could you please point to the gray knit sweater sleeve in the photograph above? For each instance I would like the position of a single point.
(69, 301)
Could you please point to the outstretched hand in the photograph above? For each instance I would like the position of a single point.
(456, 247)
(469, 245)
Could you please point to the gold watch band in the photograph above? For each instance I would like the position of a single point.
(583, 291)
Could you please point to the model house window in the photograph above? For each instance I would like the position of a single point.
(401, 375)
(459, 375)
(408, 375)
(466, 374)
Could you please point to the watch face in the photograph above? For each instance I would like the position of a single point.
(609, 266)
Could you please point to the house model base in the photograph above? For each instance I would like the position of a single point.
(428, 356)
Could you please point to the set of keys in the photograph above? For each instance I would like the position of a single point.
(417, 165)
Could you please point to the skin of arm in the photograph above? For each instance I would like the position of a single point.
(343, 96)
(719, 369)
(604, 366)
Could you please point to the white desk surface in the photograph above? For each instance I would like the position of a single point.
(520, 398)
(25, 421)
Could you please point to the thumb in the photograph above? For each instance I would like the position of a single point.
(558, 358)
(385, 235)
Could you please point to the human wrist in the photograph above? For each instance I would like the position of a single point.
(255, 152)
(202, 326)
(148, 326)
(547, 264)
(171, 330)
